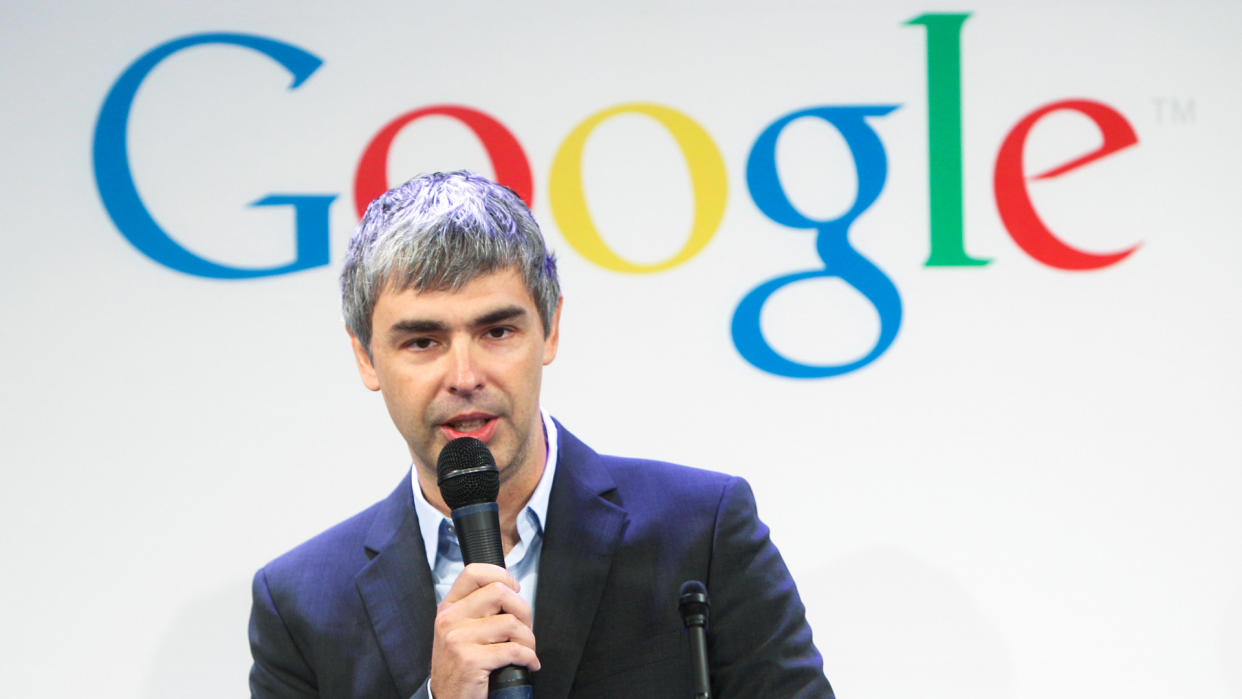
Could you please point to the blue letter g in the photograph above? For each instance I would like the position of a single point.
(120, 196)
(832, 243)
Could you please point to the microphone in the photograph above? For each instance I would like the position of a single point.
(469, 483)
(694, 607)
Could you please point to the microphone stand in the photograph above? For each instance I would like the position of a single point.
(694, 607)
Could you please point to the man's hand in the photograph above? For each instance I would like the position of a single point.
(481, 625)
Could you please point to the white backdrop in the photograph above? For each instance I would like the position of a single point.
(1033, 492)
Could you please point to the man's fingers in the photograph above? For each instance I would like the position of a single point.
(497, 655)
(493, 599)
(462, 668)
(513, 654)
(502, 628)
(482, 624)
(477, 575)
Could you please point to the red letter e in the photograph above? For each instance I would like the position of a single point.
(1014, 203)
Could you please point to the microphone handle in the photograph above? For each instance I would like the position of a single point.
(698, 662)
(478, 534)
(516, 692)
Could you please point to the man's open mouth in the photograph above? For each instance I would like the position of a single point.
(479, 426)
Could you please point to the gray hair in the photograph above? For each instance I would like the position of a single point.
(440, 232)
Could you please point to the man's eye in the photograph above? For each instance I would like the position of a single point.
(498, 333)
(421, 343)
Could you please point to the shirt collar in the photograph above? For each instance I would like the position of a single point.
(429, 518)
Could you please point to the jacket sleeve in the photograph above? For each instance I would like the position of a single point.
(759, 641)
(279, 670)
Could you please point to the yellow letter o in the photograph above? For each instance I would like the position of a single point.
(707, 177)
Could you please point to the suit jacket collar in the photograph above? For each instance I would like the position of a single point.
(584, 525)
(397, 590)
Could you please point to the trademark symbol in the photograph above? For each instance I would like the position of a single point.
(1174, 110)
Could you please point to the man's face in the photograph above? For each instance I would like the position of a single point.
(463, 363)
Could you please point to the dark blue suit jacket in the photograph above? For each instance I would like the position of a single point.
(349, 613)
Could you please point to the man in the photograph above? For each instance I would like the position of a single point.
(452, 305)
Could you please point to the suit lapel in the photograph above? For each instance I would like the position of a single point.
(583, 530)
(397, 590)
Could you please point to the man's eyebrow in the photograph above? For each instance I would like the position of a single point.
(413, 325)
(499, 315)
(403, 327)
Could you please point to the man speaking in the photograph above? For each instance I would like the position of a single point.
(452, 305)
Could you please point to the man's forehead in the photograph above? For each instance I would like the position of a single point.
(503, 287)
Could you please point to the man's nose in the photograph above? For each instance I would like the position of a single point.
(464, 375)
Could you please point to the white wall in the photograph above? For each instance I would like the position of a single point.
(1032, 492)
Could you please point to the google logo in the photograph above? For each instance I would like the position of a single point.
(837, 257)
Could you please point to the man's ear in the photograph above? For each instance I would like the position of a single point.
(554, 334)
(365, 369)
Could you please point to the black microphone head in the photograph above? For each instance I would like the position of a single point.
(692, 603)
(693, 591)
(467, 473)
